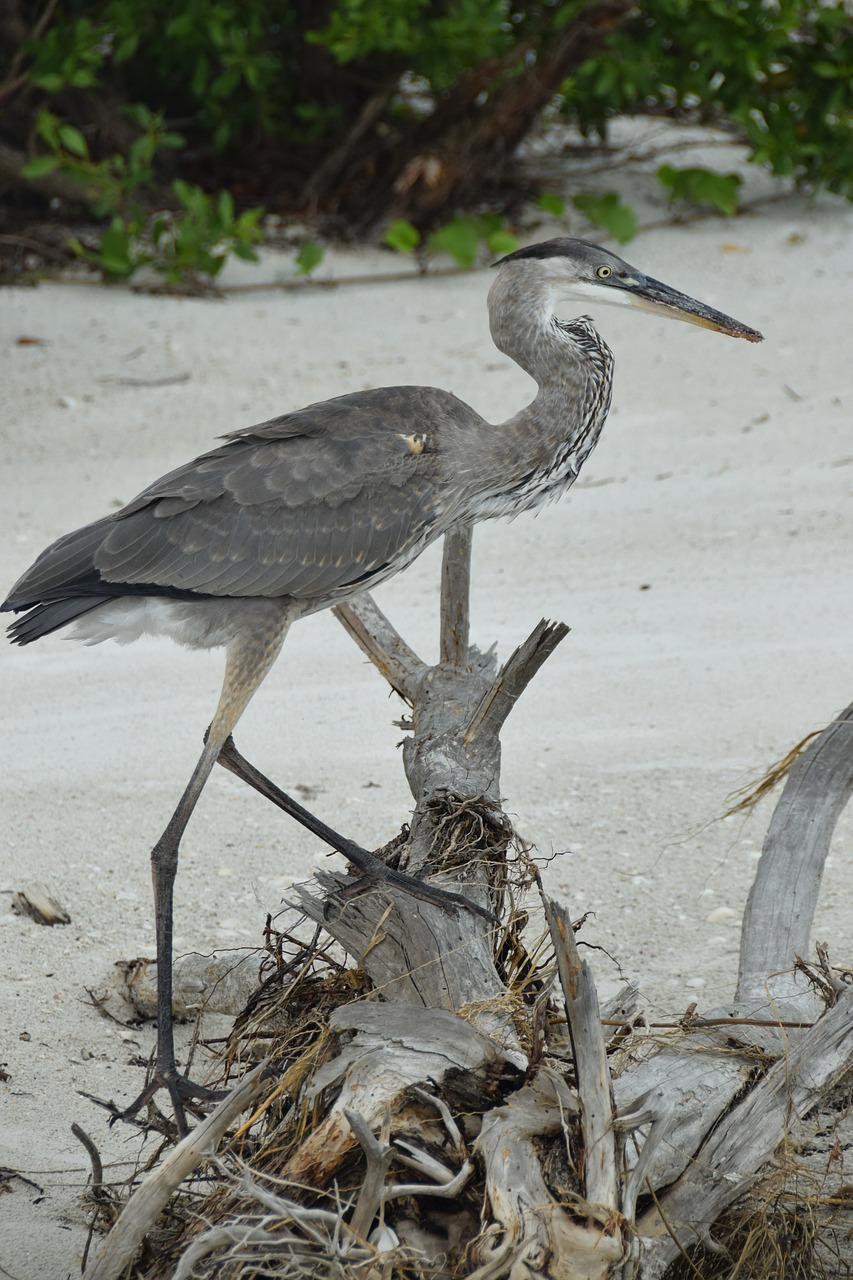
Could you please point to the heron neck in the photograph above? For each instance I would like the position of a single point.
(544, 446)
(570, 362)
(524, 327)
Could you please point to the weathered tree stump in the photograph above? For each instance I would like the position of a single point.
(448, 1106)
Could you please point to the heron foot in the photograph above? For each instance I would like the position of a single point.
(374, 871)
(184, 1095)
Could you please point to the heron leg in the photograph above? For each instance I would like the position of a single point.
(247, 662)
(373, 869)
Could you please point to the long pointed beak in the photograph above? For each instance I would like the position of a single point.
(651, 295)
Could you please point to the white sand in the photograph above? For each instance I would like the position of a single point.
(722, 483)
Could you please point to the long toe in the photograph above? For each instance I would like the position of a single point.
(374, 871)
(184, 1095)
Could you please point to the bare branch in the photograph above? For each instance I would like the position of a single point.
(455, 595)
(378, 1154)
(450, 1124)
(725, 1166)
(513, 678)
(329, 171)
(384, 645)
(447, 1188)
(656, 1109)
(530, 1224)
(16, 79)
(12, 162)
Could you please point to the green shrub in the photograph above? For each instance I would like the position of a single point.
(267, 96)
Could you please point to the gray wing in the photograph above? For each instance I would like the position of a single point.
(303, 506)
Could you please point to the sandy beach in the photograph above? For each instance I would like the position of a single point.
(701, 562)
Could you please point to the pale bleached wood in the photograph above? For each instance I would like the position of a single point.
(362, 618)
(601, 1178)
(378, 1155)
(413, 951)
(532, 1236)
(725, 1166)
(37, 902)
(309, 1238)
(515, 675)
(396, 1049)
(780, 909)
(701, 1075)
(142, 1209)
(656, 1112)
(428, 966)
(455, 593)
(219, 982)
(625, 1005)
(700, 1078)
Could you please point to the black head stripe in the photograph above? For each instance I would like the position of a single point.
(561, 247)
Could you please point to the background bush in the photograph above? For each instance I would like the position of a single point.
(378, 114)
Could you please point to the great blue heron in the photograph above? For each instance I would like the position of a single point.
(301, 512)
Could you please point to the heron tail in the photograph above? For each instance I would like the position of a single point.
(60, 586)
(45, 618)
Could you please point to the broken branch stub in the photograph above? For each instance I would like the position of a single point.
(601, 1179)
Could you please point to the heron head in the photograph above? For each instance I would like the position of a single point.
(576, 269)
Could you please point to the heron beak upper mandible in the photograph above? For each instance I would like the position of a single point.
(652, 295)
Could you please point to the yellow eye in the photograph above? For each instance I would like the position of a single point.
(604, 272)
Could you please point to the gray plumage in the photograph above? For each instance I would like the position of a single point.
(318, 504)
(314, 504)
(296, 514)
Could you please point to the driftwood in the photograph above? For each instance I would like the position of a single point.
(37, 902)
(456, 1103)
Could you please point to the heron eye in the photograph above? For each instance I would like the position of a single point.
(604, 272)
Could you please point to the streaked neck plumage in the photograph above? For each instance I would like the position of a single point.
(546, 444)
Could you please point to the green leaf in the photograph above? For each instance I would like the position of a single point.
(83, 79)
(702, 186)
(39, 166)
(402, 236)
(552, 203)
(609, 212)
(115, 257)
(48, 128)
(225, 207)
(247, 227)
(486, 224)
(460, 238)
(309, 256)
(50, 81)
(502, 242)
(126, 47)
(184, 191)
(73, 141)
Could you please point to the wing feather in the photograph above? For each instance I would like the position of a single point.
(301, 506)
